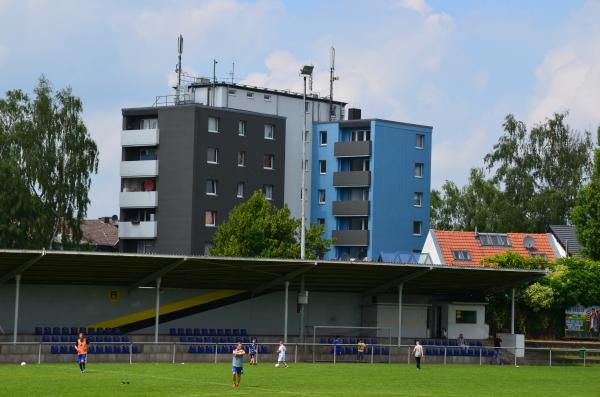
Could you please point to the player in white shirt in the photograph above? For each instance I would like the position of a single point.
(419, 353)
(281, 358)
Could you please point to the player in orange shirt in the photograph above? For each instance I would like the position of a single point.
(82, 349)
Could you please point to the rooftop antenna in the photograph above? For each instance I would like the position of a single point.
(232, 73)
(178, 66)
(214, 80)
(332, 78)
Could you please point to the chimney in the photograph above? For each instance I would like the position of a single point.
(354, 114)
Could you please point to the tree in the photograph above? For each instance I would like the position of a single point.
(47, 158)
(256, 228)
(586, 214)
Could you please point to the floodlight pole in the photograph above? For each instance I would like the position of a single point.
(157, 313)
(303, 192)
(285, 312)
(17, 292)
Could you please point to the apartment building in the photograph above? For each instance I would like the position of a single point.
(185, 167)
(371, 184)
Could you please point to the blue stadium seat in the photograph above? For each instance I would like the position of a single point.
(125, 349)
(230, 339)
(180, 332)
(99, 331)
(116, 339)
(264, 349)
(212, 332)
(47, 331)
(64, 350)
(227, 332)
(235, 332)
(322, 341)
(453, 342)
(220, 332)
(125, 339)
(377, 350)
(222, 339)
(200, 349)
(246, 339)
(64, 331)
(83, 330)
(55, 339)
(444, 343)
(91, 331)
(182, 339)
(99, 349)
(173, 331)
(56, 331)
(92, 349)
(117, 349)
(189, 332)
(117, 331)
(243, 332)
(39, 330)
(73, 330)
(64, 338)
(197, 332)
(384, 350)
(192, 349)
(135, 349)
(54, 349)
(99, 338)
(71, 349)
(108, 339)
(204, 331)
(46, 338)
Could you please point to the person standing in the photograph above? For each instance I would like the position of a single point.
(253, 351)
(498, 353)
(418, 352)
(337, 346)
(82, 349)
(281, 358)
(360, 348)
(237, 364)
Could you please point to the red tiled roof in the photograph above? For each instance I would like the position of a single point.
(449, 241)
(98, 232)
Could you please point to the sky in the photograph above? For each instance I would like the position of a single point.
(460, 66)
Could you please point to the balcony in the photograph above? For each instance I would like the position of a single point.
(138, 199)
(352, 149)
(138, 230)
(352, 179)
(141, 168)
(148, 137)
(354, 238)
(351, 208)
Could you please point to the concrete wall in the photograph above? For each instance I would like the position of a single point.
(480, 330)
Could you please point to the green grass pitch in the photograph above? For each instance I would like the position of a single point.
(311, 380)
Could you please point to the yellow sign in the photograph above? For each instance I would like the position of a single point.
(114, 295)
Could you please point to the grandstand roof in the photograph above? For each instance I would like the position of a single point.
(255, 274)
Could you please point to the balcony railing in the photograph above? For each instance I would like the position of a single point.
(138, 199)
(354, 238)
(352, 149)
(138, 230)
(147, 137)
(351, 208)
(352, 179)
(142, 168)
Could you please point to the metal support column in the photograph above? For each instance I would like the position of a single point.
(285, 312)
(157, 314)
(512, 313)
(302, 292)
(400, 289)
(17, 292)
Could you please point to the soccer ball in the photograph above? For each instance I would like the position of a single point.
(23, 364)
(276, 365)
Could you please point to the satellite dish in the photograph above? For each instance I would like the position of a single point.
(529, 242)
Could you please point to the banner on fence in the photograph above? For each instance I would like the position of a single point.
(582, 322)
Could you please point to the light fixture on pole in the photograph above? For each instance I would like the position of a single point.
(305, 72)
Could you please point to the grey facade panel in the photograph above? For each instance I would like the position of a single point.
(352, 179)
(352, 149)
(351, 208)
(354, 238)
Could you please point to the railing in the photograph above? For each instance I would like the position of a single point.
(173, 352)
(170, 100)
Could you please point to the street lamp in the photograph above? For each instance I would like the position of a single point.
(305, 72)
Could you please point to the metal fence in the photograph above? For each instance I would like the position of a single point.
(169, 352)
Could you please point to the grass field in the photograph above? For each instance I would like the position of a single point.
(297, 380)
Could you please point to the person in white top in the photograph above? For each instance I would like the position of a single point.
(418, 352)
(281, 358)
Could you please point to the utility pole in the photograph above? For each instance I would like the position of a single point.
(306, 71)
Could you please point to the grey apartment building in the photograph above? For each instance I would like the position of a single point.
(185, 167)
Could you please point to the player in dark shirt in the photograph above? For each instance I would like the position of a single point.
(253, 350)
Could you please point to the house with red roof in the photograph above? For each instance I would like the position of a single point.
(458, 248)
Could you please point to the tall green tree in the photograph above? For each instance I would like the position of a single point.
(46, 158)
(256, 228)
(586, 214)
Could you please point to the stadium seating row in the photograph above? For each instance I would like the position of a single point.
(221, 349)
(91, 339)
(472, 352)
(207, 332)
(76, 330)
(449, 342)
(350, 350)
(348, 341)
(108, 349)
(213, 339)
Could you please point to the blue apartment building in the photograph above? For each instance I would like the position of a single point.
(370, 185)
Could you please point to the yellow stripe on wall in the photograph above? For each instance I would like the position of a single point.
(166, 309)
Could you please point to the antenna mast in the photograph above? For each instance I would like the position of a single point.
(178, 67)
(332, 78)
(214, 81)
(232, 73)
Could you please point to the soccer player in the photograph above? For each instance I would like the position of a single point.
(253, 351)
(281, 358)
(82, 348)
(418, 352)
(237, 364)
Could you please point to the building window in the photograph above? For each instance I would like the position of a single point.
(417, 225)
(360, 135)
(213, 124)
(268, 191)
(322, 167)
(212, 155)
(466, 317)
(322, 196)
(267, 98)
(242, 128)
(231, 92)
(269, 131)
(241, 161)
(240, 190)
(321, 221)
(538, 255)
(323, 138)
(211, 187)
(418, 199)
(268, 161)
(306, 107)
(419, 170)
(461, 255)
(148, 124)
(420, 144)
(210, 218)
(494, 239)
(250, 95)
